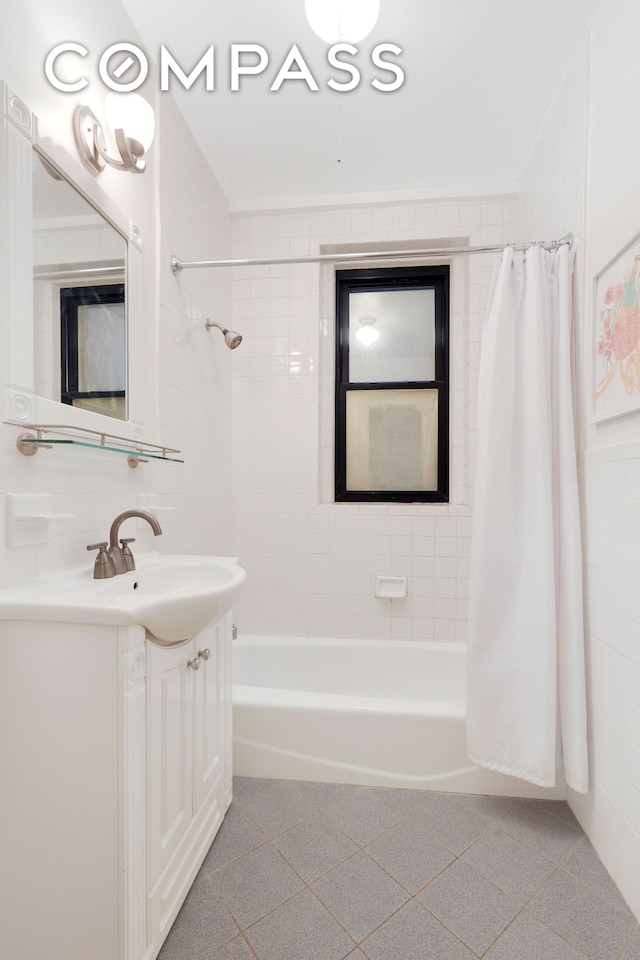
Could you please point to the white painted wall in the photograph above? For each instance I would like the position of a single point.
(185, 372)
(583, 177)
(312, 563)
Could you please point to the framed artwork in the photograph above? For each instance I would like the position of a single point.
(617, 335)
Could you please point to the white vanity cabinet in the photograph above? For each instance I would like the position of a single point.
(115, 775)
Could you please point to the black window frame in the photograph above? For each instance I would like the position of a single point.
(70, 299)
(434, 277)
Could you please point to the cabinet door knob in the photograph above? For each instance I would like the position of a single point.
(194, 664)
(205, 654)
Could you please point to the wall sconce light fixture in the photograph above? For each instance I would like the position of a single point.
(132, 123)
(342, 21)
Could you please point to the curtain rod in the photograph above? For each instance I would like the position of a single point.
(178, 265)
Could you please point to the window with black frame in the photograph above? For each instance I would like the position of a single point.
(94, 348)
(392, 385)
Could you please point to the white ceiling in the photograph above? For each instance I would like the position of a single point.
(480, 77)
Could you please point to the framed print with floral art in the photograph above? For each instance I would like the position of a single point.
(617, 335)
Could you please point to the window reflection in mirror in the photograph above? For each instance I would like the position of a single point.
(79, 277)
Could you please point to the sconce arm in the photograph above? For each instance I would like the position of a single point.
(92, 146)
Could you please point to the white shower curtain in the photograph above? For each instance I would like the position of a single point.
(526, 713)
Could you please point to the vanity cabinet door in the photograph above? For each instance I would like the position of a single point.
(209, 728)
(170, 688)
(188, 736)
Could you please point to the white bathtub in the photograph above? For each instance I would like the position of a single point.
(380, 713)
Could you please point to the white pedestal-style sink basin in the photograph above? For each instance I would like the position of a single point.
(173, 596)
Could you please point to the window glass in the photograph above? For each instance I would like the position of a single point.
(392, 439)
(101, 347)
(391, 336)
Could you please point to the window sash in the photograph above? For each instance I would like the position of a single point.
(354, 466)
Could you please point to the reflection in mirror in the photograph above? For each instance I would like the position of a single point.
(79, 278)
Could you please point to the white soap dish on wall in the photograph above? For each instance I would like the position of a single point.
(28, 518)
(391, 588)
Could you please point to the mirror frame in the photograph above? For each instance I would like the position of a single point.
(23, 133)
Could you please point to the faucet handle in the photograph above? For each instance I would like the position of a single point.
(129, 562)
(103, 567)
(102, 547)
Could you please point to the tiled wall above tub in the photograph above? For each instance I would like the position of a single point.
(312, 563)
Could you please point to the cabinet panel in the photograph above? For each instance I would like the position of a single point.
(170, 750)
(175, 865)
(59, 823)
(208, 718)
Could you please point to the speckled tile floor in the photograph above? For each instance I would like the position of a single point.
(314, 871)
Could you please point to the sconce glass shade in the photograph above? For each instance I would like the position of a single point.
(131, 113)
(342, 21)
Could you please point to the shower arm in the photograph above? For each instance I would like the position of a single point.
(177, 265)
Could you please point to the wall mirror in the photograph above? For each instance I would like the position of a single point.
(71, 268)
(79, 299)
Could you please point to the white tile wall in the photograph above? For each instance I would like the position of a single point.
(312, 563)
(194, 364)
(554, 196)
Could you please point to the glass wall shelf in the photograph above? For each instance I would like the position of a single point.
(49, 435)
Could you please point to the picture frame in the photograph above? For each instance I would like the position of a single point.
(616, 336)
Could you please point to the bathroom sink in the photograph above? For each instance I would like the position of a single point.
(173, 596)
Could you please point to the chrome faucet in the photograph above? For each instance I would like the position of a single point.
(113, 559)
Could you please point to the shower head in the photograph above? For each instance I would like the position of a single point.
(231, 338)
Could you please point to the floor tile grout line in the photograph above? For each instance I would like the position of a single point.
(502, 932)
(404, 816)
(435, 918)
(526, 909)
(226, 906)
(363, 849)
(448, 849)
(560, 935)
(306, 886)
(558, 869)
(243, 929)
(493, 825)
(537, 850)
(626, 944)
(356, 944)
(521, 908)
(589, 886)
(249, 947)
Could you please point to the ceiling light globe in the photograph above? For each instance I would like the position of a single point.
(342, 21)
